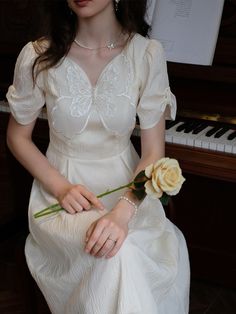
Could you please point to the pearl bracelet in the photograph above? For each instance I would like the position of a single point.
(130, 202)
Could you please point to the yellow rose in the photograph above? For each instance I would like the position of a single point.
(165, 176)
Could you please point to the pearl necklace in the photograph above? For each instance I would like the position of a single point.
(110, 46)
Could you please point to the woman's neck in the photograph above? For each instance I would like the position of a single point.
(98, 30)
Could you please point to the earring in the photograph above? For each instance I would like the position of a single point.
(116, 4)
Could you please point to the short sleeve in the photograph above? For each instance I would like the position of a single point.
(156, 97)
(25, 99)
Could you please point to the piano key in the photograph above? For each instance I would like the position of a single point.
(170, 124)
(201, 127)
(182, 126)
(171, 132)
(198, 138)
(192, 139)
(192, 126)
(221, 144)
(186, 138)
(234, 148)
(213, 130)
(231, 148)
(232, 135)
(221, 132)
(201, 140)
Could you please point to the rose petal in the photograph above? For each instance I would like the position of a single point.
(148, 171)
(150, 190)
(161, 162)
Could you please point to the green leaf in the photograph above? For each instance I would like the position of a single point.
(165, 199)
(138, 185)
(140, 194)
(140, 176)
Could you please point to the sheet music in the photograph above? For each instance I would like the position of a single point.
(150, 10)
(187, 29)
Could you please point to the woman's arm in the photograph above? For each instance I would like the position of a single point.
(72, 197)
(114, 225)
(152, 149)
(152, 145)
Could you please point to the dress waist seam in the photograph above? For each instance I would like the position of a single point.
(52, 148)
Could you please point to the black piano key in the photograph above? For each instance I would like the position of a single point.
(213, 130)
(221, 132)
(170, 124)
(200, 127)
(232, 136)
(183, 126)
(191, 126)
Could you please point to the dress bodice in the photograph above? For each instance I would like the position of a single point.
(91, 120)
(88, 120)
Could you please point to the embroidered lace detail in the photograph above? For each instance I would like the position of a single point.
(79, 99)
(104, 96)
(81, 92)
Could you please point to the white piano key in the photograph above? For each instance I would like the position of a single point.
(230, 146)
(205, 144)
(199, 139)
(212, 145)
(233, 146)
(168, 138)
(220, 147)
(172, 135)
(234, 149)
(221, 144)
(179, 139)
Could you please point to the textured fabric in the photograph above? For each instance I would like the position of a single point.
(90, 128)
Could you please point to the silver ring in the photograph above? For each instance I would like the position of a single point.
(111, 239)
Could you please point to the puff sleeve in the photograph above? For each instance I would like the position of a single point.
(25, 98)
(156, 97)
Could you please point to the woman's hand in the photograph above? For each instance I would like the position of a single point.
(106, 235)
(78, 198)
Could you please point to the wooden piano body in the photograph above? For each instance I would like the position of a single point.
(205, 209)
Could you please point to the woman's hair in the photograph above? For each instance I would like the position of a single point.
(60, 28)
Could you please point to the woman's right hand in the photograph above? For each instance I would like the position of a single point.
(78, 198)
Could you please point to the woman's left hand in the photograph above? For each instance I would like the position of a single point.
(106, 235)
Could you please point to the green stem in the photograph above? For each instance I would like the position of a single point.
(48, 212)
(117, 189)
(56, 207)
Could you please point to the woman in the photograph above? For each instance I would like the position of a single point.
(95, 71)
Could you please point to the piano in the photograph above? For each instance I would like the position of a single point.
(202, 139)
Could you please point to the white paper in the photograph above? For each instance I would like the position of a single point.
(187, 29)
(150, 11)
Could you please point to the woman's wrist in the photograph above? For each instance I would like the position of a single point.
(59, 186)
(131, 202)
(126, 207)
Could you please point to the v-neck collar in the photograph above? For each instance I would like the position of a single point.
(105, 68)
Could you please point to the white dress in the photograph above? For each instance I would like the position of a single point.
(90, 129)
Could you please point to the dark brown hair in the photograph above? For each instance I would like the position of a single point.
(60, 27)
